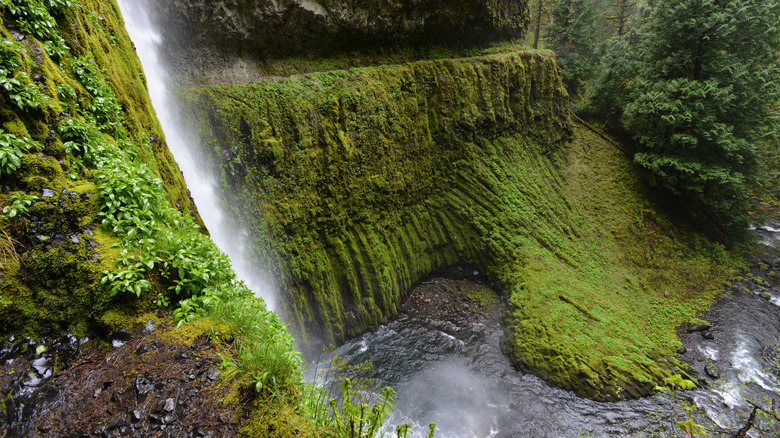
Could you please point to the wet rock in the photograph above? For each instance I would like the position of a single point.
(148, 328)
(712, 370)
(698, 328)
(707, 335)
(136, 416)
(222, 29)
(212, 374)
(181, 409)
(75, 239)
(122, 335)
(32, 380)
(42, 366)
(146, 348)
(46, 193)
(98, 429)
(169, 405)
(143, 387)
(27, 404)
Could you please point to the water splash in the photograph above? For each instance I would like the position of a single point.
(200, 180)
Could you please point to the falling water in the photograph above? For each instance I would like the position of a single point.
(200, 180)
(481, 394)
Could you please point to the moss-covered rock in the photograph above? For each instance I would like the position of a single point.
(356, 184)
(358, 175)
(56, 56)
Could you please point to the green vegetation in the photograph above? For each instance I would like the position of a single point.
(700, 64)
(11, 150)
(89, 137)
(695, 85)
(355, 184)
(359, 183)
(571, 35)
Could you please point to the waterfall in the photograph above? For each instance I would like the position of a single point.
(201, 182)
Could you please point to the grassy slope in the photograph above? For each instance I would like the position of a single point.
(604, 309)
(362, 182)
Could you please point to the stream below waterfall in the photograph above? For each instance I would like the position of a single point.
(448, 368)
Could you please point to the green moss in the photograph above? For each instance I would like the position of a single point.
(58, 285)
(388, 174)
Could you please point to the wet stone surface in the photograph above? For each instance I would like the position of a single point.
(144, 386)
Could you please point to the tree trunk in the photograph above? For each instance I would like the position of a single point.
(538, 25)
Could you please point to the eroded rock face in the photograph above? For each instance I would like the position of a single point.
(215, 31)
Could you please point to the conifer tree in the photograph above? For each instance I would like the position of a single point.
(621, 14)
(706, 77)
(572, 36)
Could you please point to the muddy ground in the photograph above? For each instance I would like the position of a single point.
(140, 385)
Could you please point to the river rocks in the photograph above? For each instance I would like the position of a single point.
(698, 328)
(712, 370)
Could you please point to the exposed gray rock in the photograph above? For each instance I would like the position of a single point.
(233, 34)
(712, 370)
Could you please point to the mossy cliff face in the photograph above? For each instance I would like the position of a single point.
(206, 35)
(357, 178)
(356, 184)
(66, 62)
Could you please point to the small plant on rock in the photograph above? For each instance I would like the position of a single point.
(19, 203)
(685, 421)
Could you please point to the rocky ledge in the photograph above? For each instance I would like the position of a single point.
(203, 35)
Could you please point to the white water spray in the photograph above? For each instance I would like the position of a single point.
(199, 179)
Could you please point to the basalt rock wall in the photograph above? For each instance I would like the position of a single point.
(356, 184)
(359, 183)
(205, 35)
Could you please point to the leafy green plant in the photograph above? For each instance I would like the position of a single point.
(11, 150)
(19, 201)
(685, 422)
(34, 18)
(21, 91)
(362, 406)
(66, 92)
(10, 56)
(104, 106)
